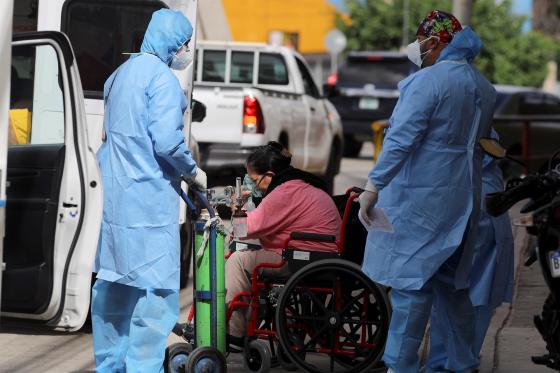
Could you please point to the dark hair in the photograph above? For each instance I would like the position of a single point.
(271, 157)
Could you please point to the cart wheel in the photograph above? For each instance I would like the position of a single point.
(176, 357)
(206, 360)
(257, 357)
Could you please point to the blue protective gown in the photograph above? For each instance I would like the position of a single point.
(142, 160)
(429, 177)
(491, 278)
(429, 170)
(135, 301)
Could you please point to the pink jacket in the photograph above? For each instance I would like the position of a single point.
(294, 206)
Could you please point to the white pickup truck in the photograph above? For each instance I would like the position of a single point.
(256, 93)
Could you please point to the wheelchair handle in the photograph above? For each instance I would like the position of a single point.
(201, 197)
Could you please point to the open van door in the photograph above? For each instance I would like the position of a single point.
(54, 199)
(6, 11)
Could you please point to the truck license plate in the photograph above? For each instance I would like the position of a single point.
(368, 103)
(555, 263)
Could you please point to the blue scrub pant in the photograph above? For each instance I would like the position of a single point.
(130, 326)
(411, 312)
(439, 333)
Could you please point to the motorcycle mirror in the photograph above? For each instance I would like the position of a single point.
(492, 148)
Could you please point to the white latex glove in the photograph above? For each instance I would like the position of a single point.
(199, 180)
(367, 199)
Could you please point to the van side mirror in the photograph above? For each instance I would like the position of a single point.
(198, 111)
(492, 148)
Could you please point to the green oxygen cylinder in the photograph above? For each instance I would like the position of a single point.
(203, 278)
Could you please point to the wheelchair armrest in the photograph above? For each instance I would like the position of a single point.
(303, 236)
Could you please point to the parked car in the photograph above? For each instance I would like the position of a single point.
(364, 90)
(542, 138)
(256, 93)
(50, 182)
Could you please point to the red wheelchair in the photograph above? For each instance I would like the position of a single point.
(327, 316)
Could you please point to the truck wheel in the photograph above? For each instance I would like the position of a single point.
(352, 147)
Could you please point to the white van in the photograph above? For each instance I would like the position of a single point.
(50, 187)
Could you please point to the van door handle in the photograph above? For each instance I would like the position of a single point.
(312, 108)
(68, 205)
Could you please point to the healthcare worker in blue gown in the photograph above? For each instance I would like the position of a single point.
(135, 300)
(491, 276)
(428, 182)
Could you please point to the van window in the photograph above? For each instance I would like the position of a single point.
(272, 69)
(36, 113)
(214, 66)
(100, 32)
(241, 67)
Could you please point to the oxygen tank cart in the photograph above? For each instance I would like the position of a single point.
(209, 335)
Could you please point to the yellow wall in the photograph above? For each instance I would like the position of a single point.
(252, 20)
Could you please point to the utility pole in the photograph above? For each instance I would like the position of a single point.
(405, 23)
(462, 9)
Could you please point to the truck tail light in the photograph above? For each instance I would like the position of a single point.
(253, 121)
(332, 80)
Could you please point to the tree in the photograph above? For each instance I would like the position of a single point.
(546, 17)
(507, 57)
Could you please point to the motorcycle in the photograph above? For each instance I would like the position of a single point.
(543, 221)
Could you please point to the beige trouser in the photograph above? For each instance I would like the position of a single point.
(239, 271)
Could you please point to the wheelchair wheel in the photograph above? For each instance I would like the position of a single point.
(257, 357)
(332, 318)
(284, 360)
(176, 357)
(206, 360)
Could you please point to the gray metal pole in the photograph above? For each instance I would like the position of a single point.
(406, 4)
(462, 9)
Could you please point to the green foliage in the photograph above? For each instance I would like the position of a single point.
(507, 57)
(525, 63)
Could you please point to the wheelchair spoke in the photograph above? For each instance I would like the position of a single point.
(352, 302)
(360, 322)
(315, 337)
(349, 336)
(302, 317)
(316, 300)
(333, 344)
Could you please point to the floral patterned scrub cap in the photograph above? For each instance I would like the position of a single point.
(441, 24)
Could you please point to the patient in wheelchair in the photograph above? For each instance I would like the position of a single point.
(294, 201)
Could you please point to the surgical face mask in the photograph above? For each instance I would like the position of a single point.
(252, 186)
(181, 61)
(414, 53)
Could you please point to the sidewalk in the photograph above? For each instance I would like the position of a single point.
(512, 339)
